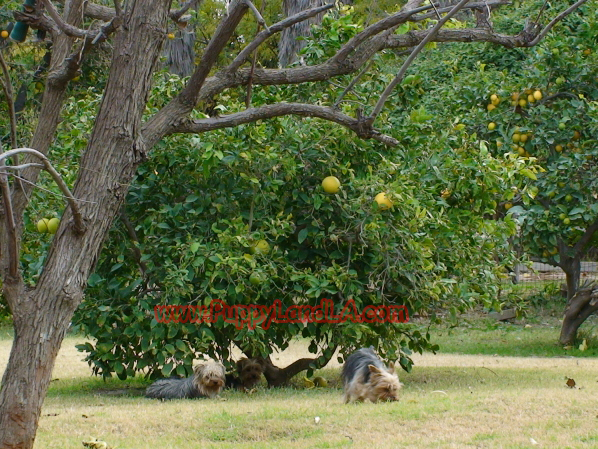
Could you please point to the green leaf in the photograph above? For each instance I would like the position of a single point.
(302, 235)
(527, 172)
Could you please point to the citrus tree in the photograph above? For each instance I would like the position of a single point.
(122, 138)
(549, 114)
(284, 211)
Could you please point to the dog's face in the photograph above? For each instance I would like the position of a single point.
(385, 385)
(209, 377)
(250, 371)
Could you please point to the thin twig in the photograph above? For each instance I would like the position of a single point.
(26, 181)
(79, 227)
(554, 21)
(490, 370)
(66, 28)
(117, 9)
(253, 63)
(541, 12)
(353, 82)
(22, 166)
(410, 59)
(277, 27)
(257, 14)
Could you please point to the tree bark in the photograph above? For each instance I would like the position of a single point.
(289, 45)
(114, 151)
(579, 308)
(279, 377)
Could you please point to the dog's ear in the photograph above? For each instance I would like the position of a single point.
(374, 369)
(241, 363)
(261, 362)
(391, 367)
(198, 369)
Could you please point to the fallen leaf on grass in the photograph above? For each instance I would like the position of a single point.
(570, 382)
(440, 391)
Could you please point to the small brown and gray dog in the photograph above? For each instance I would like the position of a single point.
(366, 377)
(207, 381)
(249, 373)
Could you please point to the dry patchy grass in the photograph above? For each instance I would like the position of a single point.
(449, 401)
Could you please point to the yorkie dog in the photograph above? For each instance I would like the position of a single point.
(207, 381)
(366, 377)
(249, 373)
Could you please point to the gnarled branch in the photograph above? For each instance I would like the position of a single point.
(79, 226)
(282, 109)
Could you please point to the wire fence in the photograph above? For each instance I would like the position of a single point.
(541, 277)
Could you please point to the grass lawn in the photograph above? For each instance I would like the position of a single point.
(449, 400)
(533, 337)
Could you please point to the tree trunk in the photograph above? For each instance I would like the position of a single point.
(33, 353)
(113, 153)
(289, 45)
(572, 269)
(579, 308)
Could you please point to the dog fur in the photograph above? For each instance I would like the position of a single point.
(207, 381)
(249, 373)
(365, 377)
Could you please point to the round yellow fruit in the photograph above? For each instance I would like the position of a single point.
(508, 206)
(490, 107)
(523, 138)
(522, 103)
(331, 184)
(320, 382)
(42, 225)
(53, 224)
(559, 148)
(260, 247)
(4, 34)
(516, 137)
(530, 98)
(170, 35)
(537, 95)
(576, 135)
(383, 201)
(491, 126)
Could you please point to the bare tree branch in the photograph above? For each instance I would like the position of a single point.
(353, 82)
(79, 226)
(276, 28)
(67, 29)
(411, 58)
(257, 14)
(349, 59)
(554, 21)
(281, 109)
(176, 15)
(586, 237)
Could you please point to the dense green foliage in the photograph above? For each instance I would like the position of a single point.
(201, 203)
